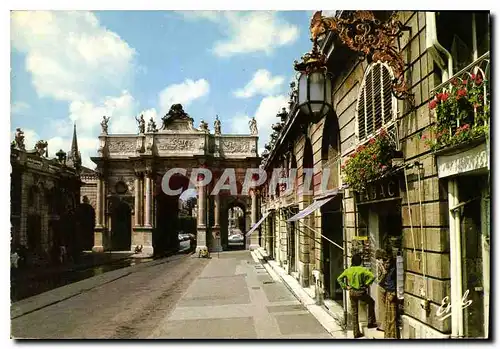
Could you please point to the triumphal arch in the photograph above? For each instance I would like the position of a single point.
(132, 209)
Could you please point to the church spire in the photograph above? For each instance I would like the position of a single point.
(74, 155)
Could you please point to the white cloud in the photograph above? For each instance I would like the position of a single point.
(208, 15)
(265, 115)
(262, 83)
(73, 58)
(183, 93)
(248, 31)
(19, 107)
(69, 54)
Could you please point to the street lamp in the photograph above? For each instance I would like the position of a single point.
(315, 85)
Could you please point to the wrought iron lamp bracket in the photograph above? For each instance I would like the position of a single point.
(363, 33)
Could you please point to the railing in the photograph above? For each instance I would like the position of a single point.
(462, 105)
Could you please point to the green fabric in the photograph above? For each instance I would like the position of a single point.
(358, 277)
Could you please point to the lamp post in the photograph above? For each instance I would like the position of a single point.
(314, 85)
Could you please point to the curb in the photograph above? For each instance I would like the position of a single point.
(323, 317)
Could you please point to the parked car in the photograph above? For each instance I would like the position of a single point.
(236, 238)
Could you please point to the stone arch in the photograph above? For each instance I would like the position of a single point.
(240, 223)
(330, 150)
(86, 224)
(121, 225)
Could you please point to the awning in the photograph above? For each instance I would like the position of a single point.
(256, 225)
(314, 206)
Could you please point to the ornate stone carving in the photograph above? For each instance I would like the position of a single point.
(176, 144)
(252, 124)
(19, 139)
(138, 146)
(121, 147)
(41, 148)
(203, 126)
(152, 126)
(141, 124)
(235, 146)
(217, 126)
(104, 125)
(177, 113)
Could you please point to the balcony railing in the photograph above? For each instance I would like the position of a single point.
(462, 106)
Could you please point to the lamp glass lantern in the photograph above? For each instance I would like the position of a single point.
(315, 93)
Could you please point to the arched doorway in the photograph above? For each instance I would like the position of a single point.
(331, 212)
(168, 208)
(234, 225)
(86, 223)
(121, 226)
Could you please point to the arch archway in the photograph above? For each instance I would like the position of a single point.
(234, 224)
(167, 210)
(86, 222)
(331, 213)
(121, 226)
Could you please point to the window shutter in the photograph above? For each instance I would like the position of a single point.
(375, 101)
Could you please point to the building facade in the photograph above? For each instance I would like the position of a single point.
(430, 207)
(45, 206)
(132, 207)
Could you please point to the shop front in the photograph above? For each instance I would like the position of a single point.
(380, 228)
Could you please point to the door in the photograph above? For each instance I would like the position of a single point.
(471, 232)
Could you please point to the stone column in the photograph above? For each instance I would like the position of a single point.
(99, 229)
(137, 198)
(216, 247)
(254, 237)
(145, 234)
(148, 200)
(201, 239)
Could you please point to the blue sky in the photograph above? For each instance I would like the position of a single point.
(75, 67)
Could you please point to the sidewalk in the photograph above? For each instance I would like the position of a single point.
(327, 318)
(235, 297)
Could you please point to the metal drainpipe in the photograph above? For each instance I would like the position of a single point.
(431, 37)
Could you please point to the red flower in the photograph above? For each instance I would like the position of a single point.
(374, 157)
(478, 80)
(461, 93)
(464, 82)
(445, 96)
(473, 76)
(466, 126)
(432, 104)
(424, 137)
(454, 82)
(371, 141)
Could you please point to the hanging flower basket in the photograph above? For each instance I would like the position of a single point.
(369, 162)
(462, 112)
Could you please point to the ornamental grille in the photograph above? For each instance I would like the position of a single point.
(376, 104)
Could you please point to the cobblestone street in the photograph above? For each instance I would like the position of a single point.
(228, 296)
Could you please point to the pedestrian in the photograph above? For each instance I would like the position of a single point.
(359, 279)
(387, 280)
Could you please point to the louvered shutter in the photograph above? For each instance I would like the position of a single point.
(375, 102)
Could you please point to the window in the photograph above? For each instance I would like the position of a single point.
(464, 34)
(376, 104)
